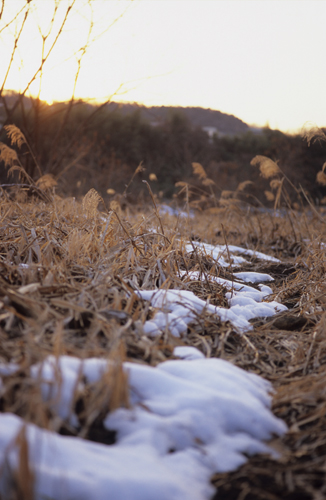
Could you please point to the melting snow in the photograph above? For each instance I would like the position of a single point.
(251, 277)
(189, 419)
(177, 308)
(220, 253)
(187, 352)
(166, 209)
(235, 286)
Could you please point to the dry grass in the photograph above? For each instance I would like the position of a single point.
(268, 168)
(68, 272)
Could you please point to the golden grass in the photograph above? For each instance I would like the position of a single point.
(15, 135)
(47, 181)
(68, 272)
(268, 168)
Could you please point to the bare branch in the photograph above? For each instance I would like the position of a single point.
(16, 16)
(32, 131)
(78, 130)
(113, 22)
(1, 10)
(82, 52)
(45, 57)
(14, 51)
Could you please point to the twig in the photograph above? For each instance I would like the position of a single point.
(128, 234)
(155, 207)
(201, 268)
(229, 256)
(305, 368)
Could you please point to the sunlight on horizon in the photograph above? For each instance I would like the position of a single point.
(260, 61)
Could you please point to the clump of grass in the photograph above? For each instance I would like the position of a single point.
(9, 158)
(90, 203)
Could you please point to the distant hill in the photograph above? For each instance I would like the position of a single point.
(211, 120)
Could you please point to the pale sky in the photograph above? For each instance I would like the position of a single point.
(260, 60)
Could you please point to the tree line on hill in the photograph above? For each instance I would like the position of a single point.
(92, 146)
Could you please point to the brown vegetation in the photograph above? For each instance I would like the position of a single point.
(68, 272)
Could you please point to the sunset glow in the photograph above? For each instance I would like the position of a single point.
(259, 60)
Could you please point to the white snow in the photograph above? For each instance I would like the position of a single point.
(166, 209)
(68, 468)
(61, 380)
(252, 277)
(188, 420)
(181, 307)
(177, 308)
(187, 352)
(8, 368)
(220, 253)
(230, 285)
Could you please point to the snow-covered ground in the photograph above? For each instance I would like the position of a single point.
(189, 417)
(220, 253)
(177, 308)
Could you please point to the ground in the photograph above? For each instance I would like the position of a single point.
(68, 273)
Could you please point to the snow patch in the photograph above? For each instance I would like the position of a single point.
(189, 419)
(220, 253)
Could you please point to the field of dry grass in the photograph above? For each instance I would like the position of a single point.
(71, 278)
(68, 275)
